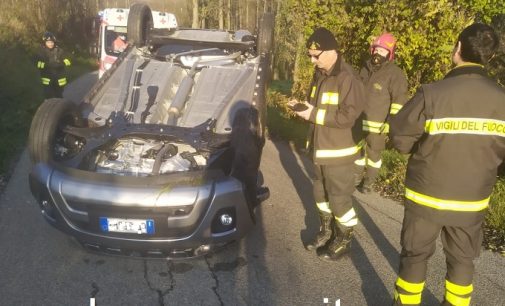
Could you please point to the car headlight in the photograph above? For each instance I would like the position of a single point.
(224, 220)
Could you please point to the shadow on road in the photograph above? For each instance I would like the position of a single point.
(373, 288)
(387, 250)
(302, 183)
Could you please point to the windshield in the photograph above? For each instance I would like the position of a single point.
(115, 40)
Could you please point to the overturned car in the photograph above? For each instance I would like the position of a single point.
(161, 157)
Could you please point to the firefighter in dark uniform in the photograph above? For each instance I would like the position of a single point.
(52, 64)
(335, 103)
(386, 86)
(454, 130)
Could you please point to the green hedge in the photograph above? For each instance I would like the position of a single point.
(426, 32)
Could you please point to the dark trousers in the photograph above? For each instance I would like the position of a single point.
(53, 90)
(418, 240)
(334, 184)
(368, 166)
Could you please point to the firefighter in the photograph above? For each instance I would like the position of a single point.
(386, 86)
(454, 130)
(52, 65)
(335, 103)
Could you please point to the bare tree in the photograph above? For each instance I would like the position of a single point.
(221, 14)
(228, 15)
(195, 14)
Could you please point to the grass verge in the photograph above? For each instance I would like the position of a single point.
(281, 122)
(20, 95)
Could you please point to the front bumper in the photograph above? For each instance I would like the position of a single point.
(186, 210)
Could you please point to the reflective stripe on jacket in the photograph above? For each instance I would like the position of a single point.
(387, 91)
(52, 64)
(455, 131)
(338, 99)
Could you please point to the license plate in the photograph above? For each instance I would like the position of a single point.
(135, 226)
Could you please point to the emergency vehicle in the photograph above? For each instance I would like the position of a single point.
(113, 25)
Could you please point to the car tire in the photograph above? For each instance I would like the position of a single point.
(247, 146)
(266, 33)
(45, 124)
(140, 22)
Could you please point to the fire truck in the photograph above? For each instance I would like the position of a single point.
(113, 36)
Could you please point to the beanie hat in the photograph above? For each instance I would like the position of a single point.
(322, 39)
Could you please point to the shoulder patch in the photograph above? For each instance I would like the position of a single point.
(377, 86)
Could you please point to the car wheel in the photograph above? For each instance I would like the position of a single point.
(140, 21)
(46, 140)
(247, 146)
(266, 33)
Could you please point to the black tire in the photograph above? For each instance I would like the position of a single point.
(51, 115)
(140, 22)
(266, 33)
(247, 147)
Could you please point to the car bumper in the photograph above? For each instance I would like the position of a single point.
(186, 211)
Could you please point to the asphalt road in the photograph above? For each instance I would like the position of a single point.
(41, 266)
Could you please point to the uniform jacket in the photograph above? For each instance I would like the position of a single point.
(52, 63)
(387, 91)
(455, 131)
(338, 99)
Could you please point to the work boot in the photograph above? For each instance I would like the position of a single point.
(326, 232)
(358, 180)
(338, 247)
(366, 189)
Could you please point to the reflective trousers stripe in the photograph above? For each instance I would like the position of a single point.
(414, 292)
(408, 299)
(373, 164)
(395, 108)
(457, 294)
(324, 207)
(458, 289)
(46, 81)
(348, 219)
(337, 153)
(457, 300)
(444, 204)
(366, 161)
(410, 287)
(360, 162)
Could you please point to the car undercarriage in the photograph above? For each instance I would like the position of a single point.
(161, 157)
